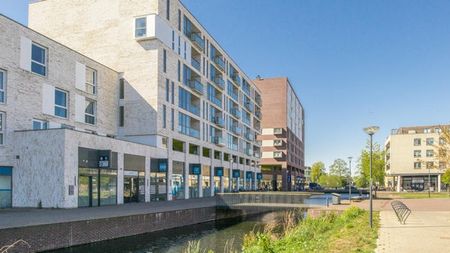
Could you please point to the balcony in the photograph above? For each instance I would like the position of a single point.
(216, 101)
(189, 131)
(236, 79)
(197, 40)
(278, 143)
(218, 120)
(235, 112)
(249, 151)
(278, 154)
(195, 109)
(220, 63)
(218, 80)
(196, 86)
(236, 129)
(195, 63)
(278, 131)
(258, 99)
(249, 106)
(249, 136)
(258, 113)
(218, 140)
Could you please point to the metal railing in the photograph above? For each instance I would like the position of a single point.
(401, 210)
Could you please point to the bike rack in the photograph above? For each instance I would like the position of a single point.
(401, 210)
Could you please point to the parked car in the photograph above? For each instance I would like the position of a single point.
(315, 187)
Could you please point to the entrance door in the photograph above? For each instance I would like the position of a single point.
(88, 191)
(130, 189)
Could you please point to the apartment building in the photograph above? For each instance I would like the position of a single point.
(179, 95)
(282, 137)
(412, 159)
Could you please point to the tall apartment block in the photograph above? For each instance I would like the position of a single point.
(282, 137)
(113, 101)
(412, 159)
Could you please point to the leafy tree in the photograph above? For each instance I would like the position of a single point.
(339, 168)
(378, 162)
(330, 181)
(446, 179)
(317, 170)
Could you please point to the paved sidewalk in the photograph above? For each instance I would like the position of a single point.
(424, 231)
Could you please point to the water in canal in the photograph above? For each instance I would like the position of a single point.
(212, 235)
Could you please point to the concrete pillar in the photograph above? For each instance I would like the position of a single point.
(284, 179)
(200, 185)
(245, 180)
(439, 182)
(169, 178)
(147, 179)
(399, 183)
(212, 181)
(120, 166)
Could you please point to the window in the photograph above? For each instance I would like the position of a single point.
(60, 103)
(121, 88)
(417, 142)
(179, 71)
(89, 113)
(427, 130)
(179, 20)
(430, 141)
(164, 116)
(91, 80)
(172, 120)
(38, 59)
(2, 86)
(206, 152)
(417, 165)
(168, 9)
(167, 90)
(140, 27)
(430, 165)
(193, 149)
(121, 116)
(173, 40)
(164, 60)
(417, 153)
(442, 165)
(2, 127)
(177, 145)
(39, 124)
(173, 93)
(430, 153)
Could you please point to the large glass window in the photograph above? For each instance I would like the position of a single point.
(2, 86)
(108, 187)
(91, 80)
(38, 59)
(5, 187)
(140, 27)
(2, 127)
(206, 181)
(89, 113)
(60, 103)
(178, 181)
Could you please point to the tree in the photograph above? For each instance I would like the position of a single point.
(330, 181)
(378, 162)
(317, 170)
(446, 179)
(340, 170)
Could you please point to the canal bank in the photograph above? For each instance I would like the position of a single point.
(46, 229)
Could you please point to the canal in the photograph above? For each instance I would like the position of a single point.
(212, 235)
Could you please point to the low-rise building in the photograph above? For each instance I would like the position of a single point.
(412, 159)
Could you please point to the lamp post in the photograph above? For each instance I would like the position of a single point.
(371, 131)
(350, 180)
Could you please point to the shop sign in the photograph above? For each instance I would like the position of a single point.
(104, 158)
(195, 169)
(218, 171)
(162, 165)
(130, 173)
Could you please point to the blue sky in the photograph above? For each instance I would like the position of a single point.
(353, 63)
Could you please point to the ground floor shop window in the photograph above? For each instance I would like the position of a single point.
(97, 187)
(226, 180)
(206, 181)
(419, 183)
(158, 180)
(194, 180)
(133, 186)
(5, 187)
(178, 180)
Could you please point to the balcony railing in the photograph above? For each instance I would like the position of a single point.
(197, 40)
(258, 114)
(218, 60)
(249, 136)
(248, 105)
(216, 101)
(249, 151)
(189, 131)
(196, 85)
(233, 94)
(235, 112)
(195, 109)
(235, 129)
(218, 120)
(258, 100)
(236, 79)
(220, 82)
(278, 154)
(218, 140)
(195, 64)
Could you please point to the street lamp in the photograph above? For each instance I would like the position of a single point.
(371, 131)
(350, 180)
